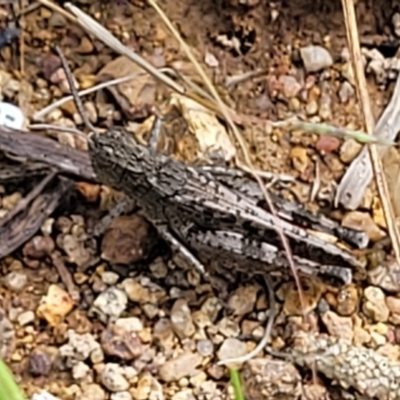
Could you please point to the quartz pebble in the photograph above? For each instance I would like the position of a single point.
(205, 347)
(79, 347)
(315, 58)
(15, 280)
(111, 303)
(112, 377)
(130, 324)
(80, 370)
(181, 319)
(109, 278)
(346, 91)
(232, 348)
(26, 318)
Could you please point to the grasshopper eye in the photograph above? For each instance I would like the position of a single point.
(108, 149)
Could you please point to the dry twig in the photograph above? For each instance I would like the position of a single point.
(355, 51)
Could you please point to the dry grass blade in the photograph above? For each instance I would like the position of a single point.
(224, 110)
(46, 110)
(355, 51)
(74, 92)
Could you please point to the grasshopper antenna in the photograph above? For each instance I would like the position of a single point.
(74, 92)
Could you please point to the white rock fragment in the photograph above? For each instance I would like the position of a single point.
(315, 58)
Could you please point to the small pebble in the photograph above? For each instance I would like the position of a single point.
(92, 391)
(39, 363)
(315, 58)
(121, 396)
(113, 379)
(182, 366)
(374, 305)
(80, 370)
(55, 306)
(290, 86)
(91, 111)
(393, 304)
(9, 202)
(363, 221)
(396, 24)
(349, 150)
(110, 278)
(57, 20)
(341, 327)
(347, 300)
(312, 107)
(143, 387)
(79, 346)
(299, 158)
(163, 333)
(97, 355)
(327, 144)
(15, 281)
(312, 292)
(205, 347)
(232, 348)
(181, 319)
(159, 268)
(130, 324)
(111, 303)
(228, 327)
(265, 378)
(44, 395)
(117, 342)
(7, 335)
(39, 247)
(136, 292)
(211, 308)
(243, 299)
(26, 318)
(346, 92)
(325, 102)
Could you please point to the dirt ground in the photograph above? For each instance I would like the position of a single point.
(123, 323)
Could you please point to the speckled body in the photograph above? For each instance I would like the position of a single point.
(365, 370)
(201, 211)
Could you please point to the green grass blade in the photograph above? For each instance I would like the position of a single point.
(326, 129)
(237, 386)
(9, 390)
